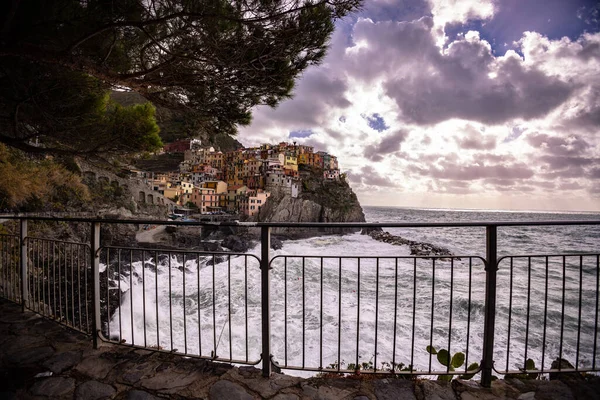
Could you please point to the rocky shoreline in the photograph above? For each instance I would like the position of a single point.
(421, 249)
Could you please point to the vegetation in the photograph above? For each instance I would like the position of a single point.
(452, 363)
(33, 185)
(214, 60)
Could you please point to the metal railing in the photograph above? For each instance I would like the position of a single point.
(328, 313)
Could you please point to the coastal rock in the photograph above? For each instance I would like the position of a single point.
(419, 249)
(320, 201)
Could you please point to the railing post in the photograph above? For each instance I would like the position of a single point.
(265, 244)
(95, 259)
(24, 261)
(491, 270)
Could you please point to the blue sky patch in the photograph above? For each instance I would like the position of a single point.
(301, 133)
(376, 122)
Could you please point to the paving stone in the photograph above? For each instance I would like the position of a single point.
(94, 390)
(394, 389)
(140, 395)
(361, 398)
(63, 361)
(53, 387)
(95, 367)
(170, 379)
(30, 356)
(436, 390)
(266, 387)
(225, 389)
(287, 396)
(527, 396)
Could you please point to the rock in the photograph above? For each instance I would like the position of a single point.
(93, 390)
(140, 395)
(63, 361)
(394, 389)
(224, 389)
(53, 387)
(436, 390)
(276, 243)
(287, 396)
(567, 377)
(235, 244)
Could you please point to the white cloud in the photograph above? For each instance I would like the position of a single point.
(467, 128)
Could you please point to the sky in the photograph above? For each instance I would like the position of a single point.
(471, 104)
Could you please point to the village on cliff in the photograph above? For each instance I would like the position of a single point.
(239, 181)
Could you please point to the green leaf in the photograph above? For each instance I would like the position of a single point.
(445, 378)
(472, 367)
(530, 364)
(458, 359)
(431, 350)
(443, 357)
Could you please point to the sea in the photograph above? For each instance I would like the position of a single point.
(349, 301)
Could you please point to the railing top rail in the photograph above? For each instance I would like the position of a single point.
(312, 224)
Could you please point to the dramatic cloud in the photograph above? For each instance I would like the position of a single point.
(460, 103)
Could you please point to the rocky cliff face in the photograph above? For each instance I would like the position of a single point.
(320, 201)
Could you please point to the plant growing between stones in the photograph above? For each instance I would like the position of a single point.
(452, 363)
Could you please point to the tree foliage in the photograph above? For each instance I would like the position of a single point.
(215, 59)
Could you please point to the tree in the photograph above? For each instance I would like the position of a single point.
(215, 59)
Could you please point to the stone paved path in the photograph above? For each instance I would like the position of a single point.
(39, 359)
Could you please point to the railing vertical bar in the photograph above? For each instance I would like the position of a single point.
(528, 311)
(545, 315)
(78, 263)
(487, 362)
(414, 310)
(170, 303)
(156, 264)
(144, 296)
(72, 289)
(469, 315)
(450, 312)
(131, 296)
(120, 301)
(108, 291)
(376, 310)
(395, 315)
(265, 242)
(35, 265)
(85, 278)
(303, 313)
(214, 309)
(199, 307)
(562, 316)
(596, 313)
(95, 263)
(184, 313)
(510, 297)
(60, 278)
(432, 310)
(579, 316)
(285, 324)
(246, 301)
(339, 349)
(45, 302)
(229, 304)
(54, 309)
(321, 320)
(356, 366)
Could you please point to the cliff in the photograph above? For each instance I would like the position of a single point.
(319, 201)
